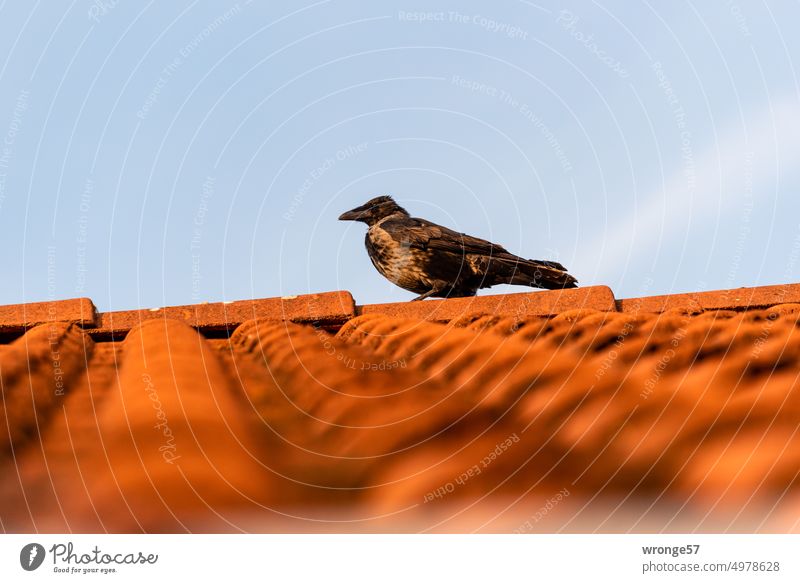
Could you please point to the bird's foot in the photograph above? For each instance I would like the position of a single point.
(427, 294)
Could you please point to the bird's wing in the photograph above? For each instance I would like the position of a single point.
(424, 234)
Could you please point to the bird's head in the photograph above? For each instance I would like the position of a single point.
(374, 210)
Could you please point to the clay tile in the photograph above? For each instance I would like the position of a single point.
(789, 312)
(539, 303)
(468, 320)
(19, 317)
(575, 315)
(715, 315)
(37, 371)
(176, 412)
(324, 309)
(353, 325)
(731, 299)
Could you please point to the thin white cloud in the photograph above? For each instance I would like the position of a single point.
(757, 157)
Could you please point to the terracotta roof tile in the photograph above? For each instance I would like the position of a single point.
(324, 309)
(174, 413)
(35, 372)
(541, 303)
(456, 415)
(19, 317)
(729, 299)
(336, 407)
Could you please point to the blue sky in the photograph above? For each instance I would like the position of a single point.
(179, 152)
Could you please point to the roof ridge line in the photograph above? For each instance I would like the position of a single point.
(332, 309)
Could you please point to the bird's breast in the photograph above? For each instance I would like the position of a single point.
(398, 262)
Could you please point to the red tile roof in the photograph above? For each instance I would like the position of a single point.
(544, 411)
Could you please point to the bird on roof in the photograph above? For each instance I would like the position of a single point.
(434, 261)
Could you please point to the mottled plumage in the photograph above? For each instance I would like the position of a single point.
(434, 261)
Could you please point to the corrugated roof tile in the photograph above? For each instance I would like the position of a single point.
(36, 372)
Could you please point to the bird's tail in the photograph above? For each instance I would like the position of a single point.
(545, 274)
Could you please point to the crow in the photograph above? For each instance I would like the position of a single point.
(434, 261)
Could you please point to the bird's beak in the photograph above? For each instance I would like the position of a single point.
(352, 215)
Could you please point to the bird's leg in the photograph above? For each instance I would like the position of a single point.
(427, 294)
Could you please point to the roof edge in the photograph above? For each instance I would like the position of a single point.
(743, 298)
(535, 303)
(332, 309)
